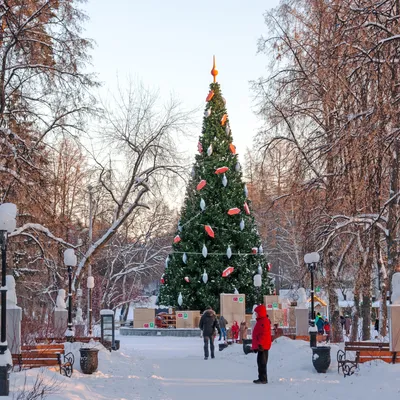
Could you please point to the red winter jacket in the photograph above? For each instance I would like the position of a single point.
(262, 330)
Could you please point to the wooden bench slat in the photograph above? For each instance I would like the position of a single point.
(366, 344)
(30, 356)
(43, 346)
(367, 349)
(39, 362)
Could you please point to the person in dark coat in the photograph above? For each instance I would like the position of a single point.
(376, 324)
(222, 324)
(208, 324)
(347, 324)
(261, 342)
(342, 320)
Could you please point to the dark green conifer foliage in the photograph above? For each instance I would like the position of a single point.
(218, 199)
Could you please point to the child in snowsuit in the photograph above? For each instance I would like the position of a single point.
(235, 331)
(261, 342)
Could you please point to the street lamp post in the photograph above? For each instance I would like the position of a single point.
(70, 261)
(312, 259)
(8, 213)
(90, 278)
(90, 286)
(257, 281)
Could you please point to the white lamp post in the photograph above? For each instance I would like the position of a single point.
(90, 286)
(70, 261)
(8, 214)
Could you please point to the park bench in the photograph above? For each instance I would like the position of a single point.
(45, 355)
(62, 339)
(364, 352)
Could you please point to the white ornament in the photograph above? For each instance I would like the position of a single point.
(180, 299)
(60, 301)
(193, 173)
(205, 276)
(229, 252)
(209, 150)
(166, 262)
(260, 249)
(202, 204)
(259, 269)
(237, 167)
(227, 129)
(184, 258)
(224, 180)
(257, 280)
(179, 227)
(236, 291)
(204, 251)
(207, 113)
(246, 192)
(241, 225)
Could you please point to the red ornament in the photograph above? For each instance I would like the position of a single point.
(177, 239)
(269, 266)
(201, 184)
(223, 119)
(246, 208)
(210, 95)
(209, 230)
(254, 250)
(162, 279)
(227, 271)
(221, 170)
(187, 279)
(232, 148)
(234, 211)
(199, 147)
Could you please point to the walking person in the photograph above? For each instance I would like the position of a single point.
(347, 324)
(342, 321)
(319, 322)
(261, 342)
(222, 325)
(208, 324)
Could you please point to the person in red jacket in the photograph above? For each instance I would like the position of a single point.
(235, 331)
(261, 342)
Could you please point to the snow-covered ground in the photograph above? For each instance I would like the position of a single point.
(169, 368)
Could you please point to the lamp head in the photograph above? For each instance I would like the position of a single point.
(70, 259)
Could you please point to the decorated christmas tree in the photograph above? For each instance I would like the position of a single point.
(217, 248)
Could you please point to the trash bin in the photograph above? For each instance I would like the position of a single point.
(321, 358)
(89, 360)
(116, 346)
(247, 346)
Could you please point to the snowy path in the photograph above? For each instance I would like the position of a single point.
(167, 368)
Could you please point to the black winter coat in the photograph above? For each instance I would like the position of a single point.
(209, 323)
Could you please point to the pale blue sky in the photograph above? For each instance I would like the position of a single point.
(169, 45)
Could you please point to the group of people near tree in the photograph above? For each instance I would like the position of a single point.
(323, 326)
(261, 337)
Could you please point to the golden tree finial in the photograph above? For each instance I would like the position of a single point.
(214, 71)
